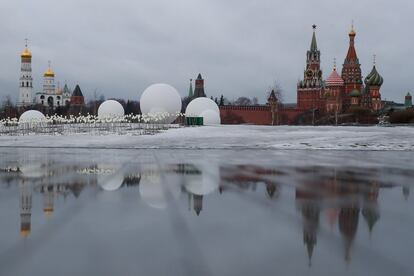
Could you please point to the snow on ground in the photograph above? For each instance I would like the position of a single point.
(236, 137)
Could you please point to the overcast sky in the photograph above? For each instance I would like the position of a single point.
(119, 47)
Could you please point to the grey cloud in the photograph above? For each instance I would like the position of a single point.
(240, 47)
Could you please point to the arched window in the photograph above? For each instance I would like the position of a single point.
(27, 84)
(22, 83)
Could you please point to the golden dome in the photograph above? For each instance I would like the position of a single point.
(26, 53)
(49, 73)
(24, 233)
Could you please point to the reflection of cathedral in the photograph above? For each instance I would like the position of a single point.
(25, 208)
(342, 194)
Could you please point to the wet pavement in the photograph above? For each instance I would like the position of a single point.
(205, 212)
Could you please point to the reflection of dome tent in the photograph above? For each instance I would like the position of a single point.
(154, 192)
(110, 181)
(204, 182)
(32, 116)
(110, 108)
(161, 98)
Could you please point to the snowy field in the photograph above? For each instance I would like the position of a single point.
(235, 137)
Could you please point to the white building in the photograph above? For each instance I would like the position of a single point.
(26, 80)
(51, 96)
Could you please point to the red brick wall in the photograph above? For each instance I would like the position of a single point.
(311, 98)
(77, 100)
(257, 115)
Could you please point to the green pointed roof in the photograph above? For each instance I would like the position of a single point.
(190, 90)
(314, 45)
(371, 216)
(408, 94)
(66, 90)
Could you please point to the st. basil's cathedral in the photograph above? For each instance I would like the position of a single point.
(339, 93)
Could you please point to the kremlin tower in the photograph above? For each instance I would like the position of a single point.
(199, 87)
(310, 88)
(408, 102)
(26, 80)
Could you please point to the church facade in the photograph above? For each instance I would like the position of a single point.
(341, 93)
(338, 93)
(51, 96)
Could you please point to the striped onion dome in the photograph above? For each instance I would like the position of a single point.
(374, 78)
(334, 79)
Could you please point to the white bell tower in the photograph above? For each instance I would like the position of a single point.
(26, 80)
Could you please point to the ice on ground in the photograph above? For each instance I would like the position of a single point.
(236, 137)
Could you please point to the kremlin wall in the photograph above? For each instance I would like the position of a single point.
(319, 101)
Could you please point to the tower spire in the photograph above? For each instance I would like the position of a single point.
(190, 90)
(26, 40)
(374, 59)
(314, 46)
(334, 66)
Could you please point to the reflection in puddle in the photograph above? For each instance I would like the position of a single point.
(339, 197)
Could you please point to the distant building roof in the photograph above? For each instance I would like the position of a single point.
(77, 92)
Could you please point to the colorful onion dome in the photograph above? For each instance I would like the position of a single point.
(374, 78)
(26, 53)
(355, 93)
(334, 79)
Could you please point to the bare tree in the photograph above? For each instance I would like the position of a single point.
(278, 91)
(255, 101)
(243, 101)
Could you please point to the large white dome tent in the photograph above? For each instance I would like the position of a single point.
(32, 116)
(110, 109)
(161, 98)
